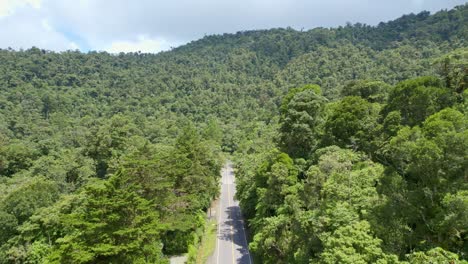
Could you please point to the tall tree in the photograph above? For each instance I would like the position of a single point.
(301, 120)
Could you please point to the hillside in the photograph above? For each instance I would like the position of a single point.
(113, 157)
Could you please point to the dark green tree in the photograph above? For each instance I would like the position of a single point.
(301, 121)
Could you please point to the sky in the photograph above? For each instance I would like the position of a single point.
(157, 25)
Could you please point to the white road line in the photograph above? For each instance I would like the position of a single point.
(227, 181)
(231, 226)
(219, 218)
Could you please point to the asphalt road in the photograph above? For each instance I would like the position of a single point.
(231, 244)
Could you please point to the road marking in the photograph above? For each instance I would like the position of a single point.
(219, 218)
(228, 179)
(232, 224)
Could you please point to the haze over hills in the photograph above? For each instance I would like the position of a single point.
(350, 145)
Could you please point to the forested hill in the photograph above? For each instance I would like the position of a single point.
(112, 158)
(440, 27)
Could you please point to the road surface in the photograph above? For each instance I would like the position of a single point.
(231, 244)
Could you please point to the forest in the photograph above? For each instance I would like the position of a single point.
(349, 144)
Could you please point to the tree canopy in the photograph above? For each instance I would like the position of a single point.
(350, 145)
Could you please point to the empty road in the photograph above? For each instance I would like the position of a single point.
(231, 244)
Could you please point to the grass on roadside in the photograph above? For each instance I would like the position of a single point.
(208, 242)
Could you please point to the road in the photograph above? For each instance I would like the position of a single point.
(231, 244)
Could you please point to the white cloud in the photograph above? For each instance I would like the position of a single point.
(8, 7)
(117, 26)
(155, 25)
(73, 46)
(46, 25)
(143, 44)
(28, 27)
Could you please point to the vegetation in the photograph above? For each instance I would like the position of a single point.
(208, 242)
(350, 145)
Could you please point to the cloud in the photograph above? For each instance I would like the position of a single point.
(155, 25)
(28, 27)
(142, 44)
(73, 46)
(46, 25)
(8, 7)
(179, 21)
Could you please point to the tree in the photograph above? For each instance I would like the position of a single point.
(16, 156)
(301, 120)
(198, 174)
(453, 68)
(109, 141)
(435, 255)
(353, 123)
(431, 160)
(115, 224)
(273, 241)
(28, 196)
(371, 91)
(274, 185)
(452, 226)
(354, 244)
(8, 225)
(69, 169)
(340, 199)
(417, 99)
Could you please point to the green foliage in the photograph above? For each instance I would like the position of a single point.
(292, 92)
(372, 91)
(29, 195)
(435, 255)
(8, 223)
(453, 68)
(16, 156)
(113, 158)
(335, 205)
(353, 123)
(451, 219)
(69, 168)
(113, 224)
(301, 121)
(354, 244)
(418, 98)
(432, 163)
(273, 241)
